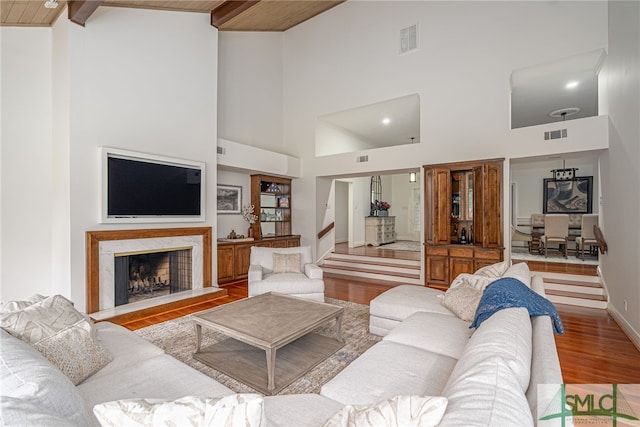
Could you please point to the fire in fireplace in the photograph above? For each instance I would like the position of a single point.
(143, 275)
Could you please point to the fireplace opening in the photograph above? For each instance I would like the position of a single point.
(142, 275)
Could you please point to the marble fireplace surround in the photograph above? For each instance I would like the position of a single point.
(101, 247)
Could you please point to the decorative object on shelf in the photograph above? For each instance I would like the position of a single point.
(249, 216)
(263, 215)
(463, 236)
(273, 188)
(229, 199)
(283, 202)
(232, 235)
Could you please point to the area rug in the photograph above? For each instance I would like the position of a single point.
(403, 245)
(177, 338)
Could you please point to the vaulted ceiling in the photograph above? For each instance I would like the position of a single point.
(226, 15)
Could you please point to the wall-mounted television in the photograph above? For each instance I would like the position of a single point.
(141, 187)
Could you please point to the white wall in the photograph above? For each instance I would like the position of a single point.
(25, 162)
(134, 79)
(228, 222)
(342, 211)
(467, 51)
(529, 177)
(402, 206)
(620, 165)
(250, 88)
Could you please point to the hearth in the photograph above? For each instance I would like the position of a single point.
(144, 275)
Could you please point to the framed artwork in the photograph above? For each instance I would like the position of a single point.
(229, 199)
(568, 196)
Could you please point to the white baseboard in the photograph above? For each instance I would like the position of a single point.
(633, 335)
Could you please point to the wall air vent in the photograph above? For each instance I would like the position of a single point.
(221, 150)
(409, 38)
(362, 159)
(555, 134)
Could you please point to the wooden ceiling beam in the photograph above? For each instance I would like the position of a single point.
(229, 10)
(81, 10)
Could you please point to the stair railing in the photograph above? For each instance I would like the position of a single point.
(325, 230)
(602, 244)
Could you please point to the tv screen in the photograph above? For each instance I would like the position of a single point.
(147, 188)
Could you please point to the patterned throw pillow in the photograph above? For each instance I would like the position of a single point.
(463, 301)
(244, 410)
(286, 263)
(61, 333)
(399, 411)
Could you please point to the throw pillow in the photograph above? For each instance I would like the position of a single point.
(11, 306)
(473, 280)
(399, 411)
(286, 263)
(463, 301)
(494, 270)
(244, 410)
(61, 333)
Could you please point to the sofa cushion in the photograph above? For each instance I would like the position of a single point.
(160, 377)
(463, 301)
(400, 302)
(24, 412)
(299, 410)
(286, 263)
(399, 411)
(61, 333)
(390, 369)
(519, 271)
(263, 256)
(425, 331)
(506, 334)
(242, 410)
(485, 394)
(473, 280)
(27, 375)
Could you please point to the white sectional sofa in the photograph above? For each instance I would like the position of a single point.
(489, 375)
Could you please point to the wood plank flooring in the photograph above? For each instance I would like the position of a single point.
(593, 349)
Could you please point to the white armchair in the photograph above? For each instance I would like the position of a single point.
(280, 270)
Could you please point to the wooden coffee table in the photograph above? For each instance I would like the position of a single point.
(260, 326)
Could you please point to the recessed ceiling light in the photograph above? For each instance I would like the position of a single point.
(386, 121)
(571, 85)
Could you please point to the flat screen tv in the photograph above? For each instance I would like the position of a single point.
(148, 188)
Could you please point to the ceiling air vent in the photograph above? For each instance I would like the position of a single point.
(362, 159)
(221, 150)
(409, 38)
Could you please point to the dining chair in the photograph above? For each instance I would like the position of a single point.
(556, 230)
(587, 234)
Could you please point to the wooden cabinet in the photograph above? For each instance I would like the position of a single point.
(271, 198)
(462, 196)
(379, 230)
(233, 258)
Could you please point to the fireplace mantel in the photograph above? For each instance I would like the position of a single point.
(93, 239)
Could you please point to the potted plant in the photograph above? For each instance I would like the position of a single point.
(382, 208)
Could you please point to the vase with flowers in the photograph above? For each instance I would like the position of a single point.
(382, 208)
(250, 217)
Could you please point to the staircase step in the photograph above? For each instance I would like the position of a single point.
(365, 266)
(574, 288)
(568, 278)
(376, 260)
(374, 274)
(371, 278)
(581, 300)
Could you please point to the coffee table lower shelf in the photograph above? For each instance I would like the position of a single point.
(248, 364)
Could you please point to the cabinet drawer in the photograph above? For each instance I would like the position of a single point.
(437, 250)
(489, 254)
(461, 252)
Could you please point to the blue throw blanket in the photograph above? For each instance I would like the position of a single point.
(509, 292)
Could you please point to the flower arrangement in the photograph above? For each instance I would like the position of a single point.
(382, 206)
(248, 215)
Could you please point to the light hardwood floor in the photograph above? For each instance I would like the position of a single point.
(593, 349)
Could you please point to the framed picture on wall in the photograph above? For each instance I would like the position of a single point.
(568, 196)
(229, 199)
